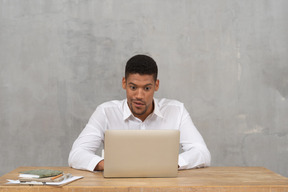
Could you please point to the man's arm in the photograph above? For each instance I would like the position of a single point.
(82, 154)
(196, 153)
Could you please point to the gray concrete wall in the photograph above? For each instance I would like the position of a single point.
(227, 60)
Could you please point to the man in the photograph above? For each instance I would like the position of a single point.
(140, 110)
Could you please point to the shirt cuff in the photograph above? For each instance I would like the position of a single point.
(181, 162)
(93, 163)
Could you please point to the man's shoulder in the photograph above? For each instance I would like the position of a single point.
(169, 102)
(112, 103)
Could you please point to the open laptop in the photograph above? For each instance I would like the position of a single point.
(141, 153)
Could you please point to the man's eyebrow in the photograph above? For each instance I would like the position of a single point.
(131, 83)
(149, 84)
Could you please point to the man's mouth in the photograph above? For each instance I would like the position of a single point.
(138, 104)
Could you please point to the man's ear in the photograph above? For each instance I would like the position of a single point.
(157, 85)
(123, 83)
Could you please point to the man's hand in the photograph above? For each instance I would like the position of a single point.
(99, 166)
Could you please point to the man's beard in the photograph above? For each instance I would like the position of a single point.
(134, 111)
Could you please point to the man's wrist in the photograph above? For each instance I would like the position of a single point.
(99, 166)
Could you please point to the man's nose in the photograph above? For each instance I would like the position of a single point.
(140, 94)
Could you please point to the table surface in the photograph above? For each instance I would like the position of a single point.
(205, 179)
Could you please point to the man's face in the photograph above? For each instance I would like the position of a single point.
(140, 91)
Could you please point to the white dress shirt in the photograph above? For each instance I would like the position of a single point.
(167, 114)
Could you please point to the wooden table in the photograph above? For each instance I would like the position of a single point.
(219, 179)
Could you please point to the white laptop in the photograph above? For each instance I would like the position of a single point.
(141, 153)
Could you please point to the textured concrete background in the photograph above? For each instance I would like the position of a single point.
(227, 60)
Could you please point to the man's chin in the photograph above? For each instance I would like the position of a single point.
(138, 112)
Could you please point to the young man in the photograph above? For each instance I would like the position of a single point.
(140, 110)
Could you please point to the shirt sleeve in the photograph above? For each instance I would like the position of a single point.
(83, 153)
(195, 152)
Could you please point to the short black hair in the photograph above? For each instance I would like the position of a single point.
(141, 64)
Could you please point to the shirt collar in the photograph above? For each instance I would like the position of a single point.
(157, 109)
(127, 112)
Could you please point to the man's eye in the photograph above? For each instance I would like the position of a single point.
(147, 88)
(132, 87)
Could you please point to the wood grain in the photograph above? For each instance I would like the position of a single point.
(219, 179)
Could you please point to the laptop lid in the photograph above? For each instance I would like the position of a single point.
(141, 153)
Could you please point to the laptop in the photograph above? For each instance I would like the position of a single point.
(141, 153)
